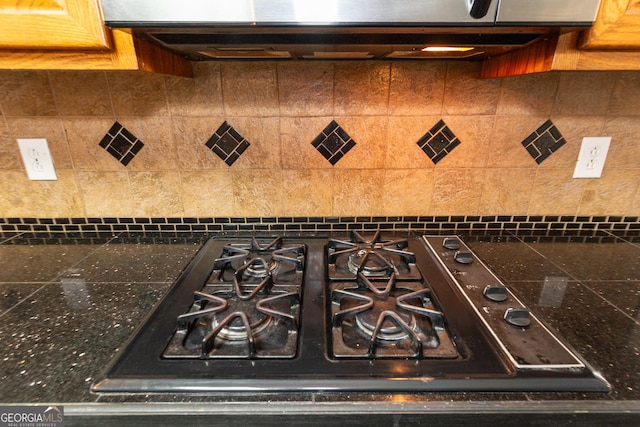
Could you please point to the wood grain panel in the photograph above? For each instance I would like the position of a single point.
(617, 26)
(52, 24)
(123, 56)
(535, 58)
(559, 53)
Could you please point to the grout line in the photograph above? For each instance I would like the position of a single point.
(20, 233)
(580, 282)
(622, 238)
(23, 299)
(57, 276)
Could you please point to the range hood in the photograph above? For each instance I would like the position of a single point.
(346, 29)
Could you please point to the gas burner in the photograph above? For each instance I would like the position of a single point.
(254, 261)
(249, 306)
(372, 257)
(387, 320)
(225, 323)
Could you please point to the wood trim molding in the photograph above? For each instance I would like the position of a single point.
(535, 58)
(559, 53)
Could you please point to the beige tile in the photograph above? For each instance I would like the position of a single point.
(9, 152)
(505, 148)
(307, 192)
(402, 138)
(369, 133)
(416, 88)
(507, 191)
(106, 193)
(250, 89)
(358, 192)
(49, 128)
(466, 94)
(81, 93)
(156, 193)
(624, 150)
(584, 92)
(405, 192)
(573, 129)
(635, 204)
(361, 88)
(156, 133)
(305, 88)
(613, 194)
(136, 93)
(296, 135)
(190, 134)
(83, 136)
(197, 96)
(555, 192)
(26, 93)
(21, 197)
(457, 191)
(207, 193)
(625, 99)
(257, 192)
(528, 94)
(263, 135)
(474, 133)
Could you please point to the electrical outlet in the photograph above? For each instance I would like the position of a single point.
(37, 159)
(593, 153)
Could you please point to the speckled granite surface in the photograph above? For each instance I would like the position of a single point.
(68, 304)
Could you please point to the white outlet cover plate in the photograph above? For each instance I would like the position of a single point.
(37, 159)
(593, 153)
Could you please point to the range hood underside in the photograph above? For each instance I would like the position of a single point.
(343, 43)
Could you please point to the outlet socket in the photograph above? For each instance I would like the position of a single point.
(37, 159)
(593, 153)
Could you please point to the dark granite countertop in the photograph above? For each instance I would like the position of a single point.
(69, 302)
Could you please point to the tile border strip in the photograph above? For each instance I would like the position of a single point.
(525, 225)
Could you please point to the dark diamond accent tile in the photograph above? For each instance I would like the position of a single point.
(227, 143)
(438, 142)
(333, 143)
(545, 141)
(121, 144)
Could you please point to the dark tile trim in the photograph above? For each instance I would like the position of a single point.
(522, 225)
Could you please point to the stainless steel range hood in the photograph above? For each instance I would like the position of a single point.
(362, 29)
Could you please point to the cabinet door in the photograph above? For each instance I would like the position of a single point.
(52, 24)
(617, 26)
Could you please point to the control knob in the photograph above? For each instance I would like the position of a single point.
(495, 293)
(463, 257)
(519, 317)
(451, 243)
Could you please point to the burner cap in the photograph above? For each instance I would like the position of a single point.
(259, 270)
(369, 262)
(236, 331)
(389, 331)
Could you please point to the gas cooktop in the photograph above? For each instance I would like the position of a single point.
(360, 312)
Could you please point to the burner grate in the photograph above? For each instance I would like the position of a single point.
(387, 320)
(372, 257)
(248, 308)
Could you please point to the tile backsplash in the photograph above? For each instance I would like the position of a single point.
(280, 109)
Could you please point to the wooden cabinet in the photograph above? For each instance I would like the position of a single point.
(52, 24)
(613, 43)
(70, 35)
(617, 26)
